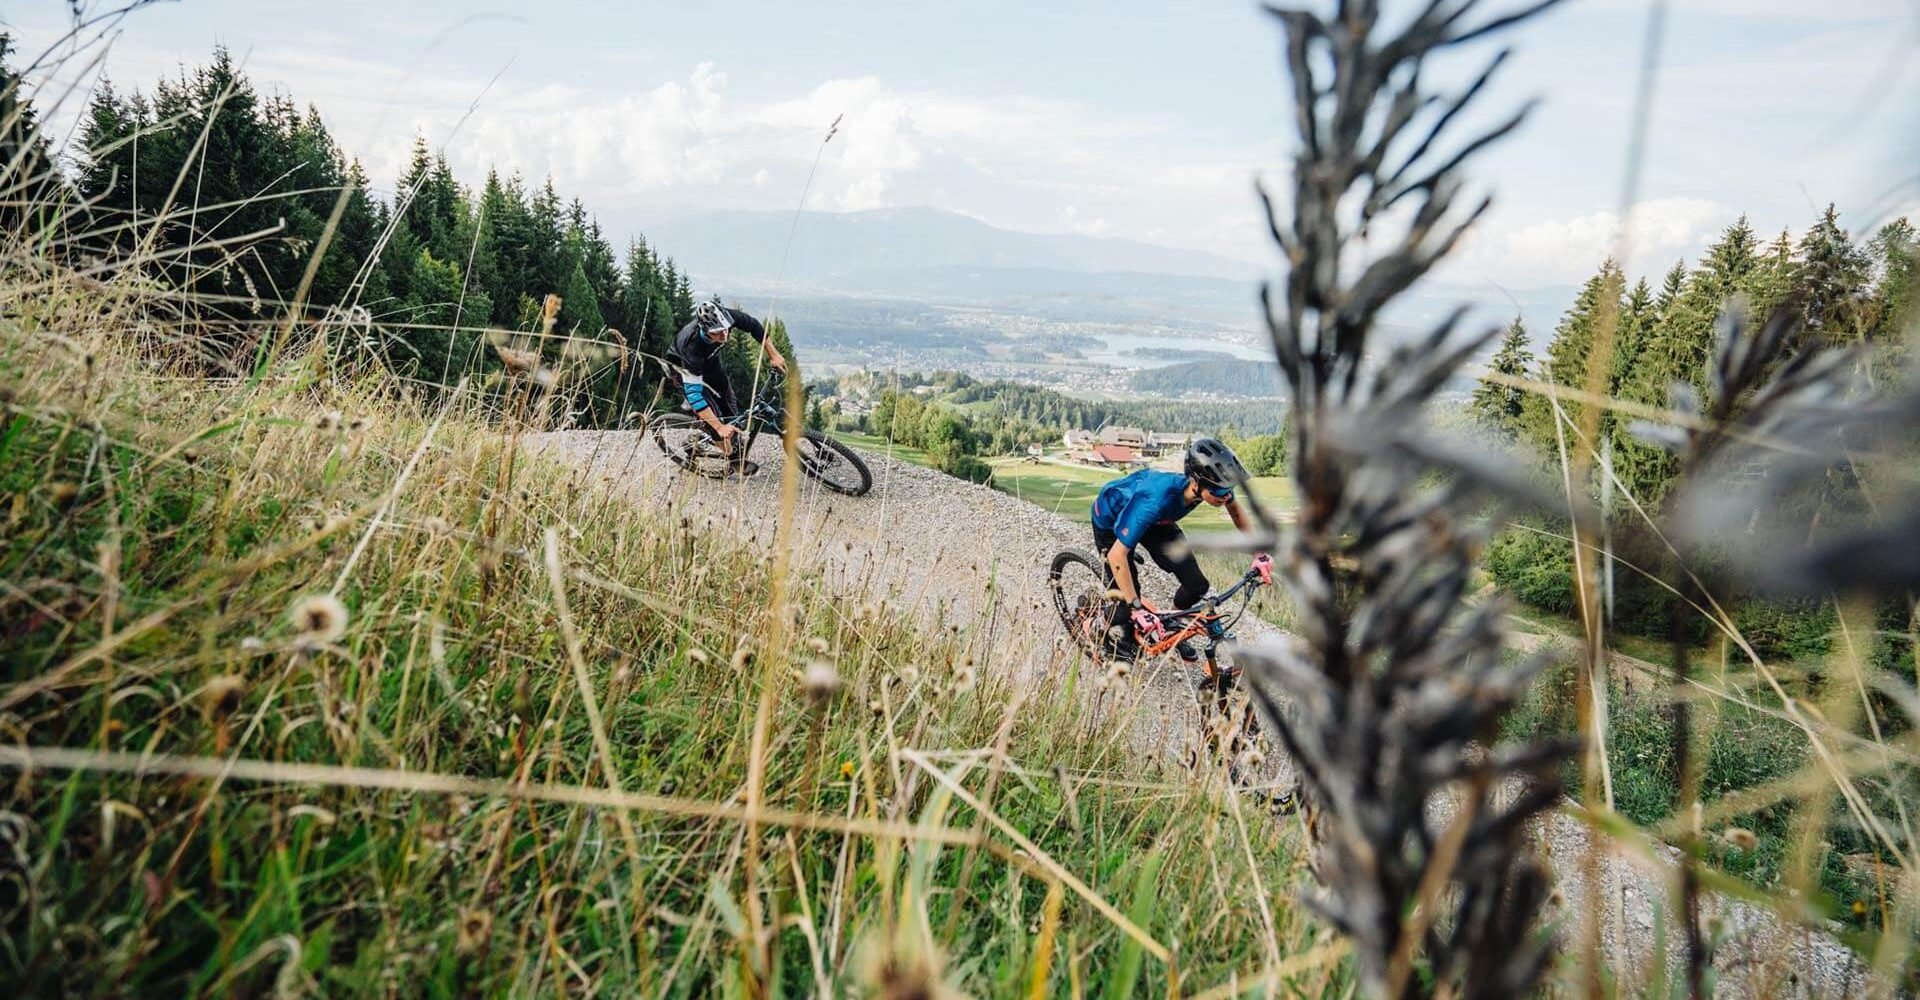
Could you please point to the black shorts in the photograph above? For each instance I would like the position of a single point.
(1168, 547)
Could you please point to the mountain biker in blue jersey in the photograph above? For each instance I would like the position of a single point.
(1143, 510)
(696, 358)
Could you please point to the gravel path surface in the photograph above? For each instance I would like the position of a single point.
(972, 558)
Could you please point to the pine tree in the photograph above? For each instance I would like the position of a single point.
(1772, 282)
(1499, 405)
(1636, 322)
(1894, 249)
(1832, 279)
(1569, 352)
(31, 188)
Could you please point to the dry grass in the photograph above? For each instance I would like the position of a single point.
(313, 686)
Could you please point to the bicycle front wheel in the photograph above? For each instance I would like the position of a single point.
(834, 464)
(1079, 585)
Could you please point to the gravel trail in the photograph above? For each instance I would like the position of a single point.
(972, 558)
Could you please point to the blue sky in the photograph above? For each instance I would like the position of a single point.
(1133, 119)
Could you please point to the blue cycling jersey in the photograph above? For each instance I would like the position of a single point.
(1130, 505)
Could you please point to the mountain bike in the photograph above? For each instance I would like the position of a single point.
(689, 443)
(1086, 603)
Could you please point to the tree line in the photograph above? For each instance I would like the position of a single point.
(1833, 288)
(225, 193)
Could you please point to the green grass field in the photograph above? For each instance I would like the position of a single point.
(1069, 490)
(881, 446)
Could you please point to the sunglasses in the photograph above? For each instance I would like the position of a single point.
(1219, 494)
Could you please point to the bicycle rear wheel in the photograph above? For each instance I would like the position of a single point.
(1079, 586)
(686, 442)
(834, 464)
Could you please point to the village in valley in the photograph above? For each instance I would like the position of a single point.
(1118, 447)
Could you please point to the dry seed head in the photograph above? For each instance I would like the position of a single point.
(1251, 758)
(963, 679)
(328, 421)
(1741, 838)
(742, 658)
(821, 680)
(62, 493)
(876, 708)
(318, 618)
(476, 927)
(517, 361)
(817, 645)
(359, 424)
(222, 696)
(699, 656)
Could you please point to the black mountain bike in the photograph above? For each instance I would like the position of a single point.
(688, 442)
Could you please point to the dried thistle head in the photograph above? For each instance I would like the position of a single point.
(473, 933)
(223, 696)
(318, 619)
(820, 680)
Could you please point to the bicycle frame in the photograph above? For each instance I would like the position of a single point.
(768, 408)
(1199, 617)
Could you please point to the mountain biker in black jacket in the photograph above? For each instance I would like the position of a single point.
(696, 356)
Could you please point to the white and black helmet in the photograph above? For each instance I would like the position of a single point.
(1214, 465)
(712, 316)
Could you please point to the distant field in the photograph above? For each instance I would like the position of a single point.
(879, 445)
(1069, 490)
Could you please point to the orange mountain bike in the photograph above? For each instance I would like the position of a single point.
(1086, 604)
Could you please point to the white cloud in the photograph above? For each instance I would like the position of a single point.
(1567, 250)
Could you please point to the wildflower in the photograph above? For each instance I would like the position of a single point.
(821, 680)
(846, 769)
(318, 618)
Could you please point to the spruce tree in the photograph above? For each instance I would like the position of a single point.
(1569, 352)
(1772, 282)
(31, 187)
(1637, 318)
(1894, 249)
(1499, 405)
(1832, 279)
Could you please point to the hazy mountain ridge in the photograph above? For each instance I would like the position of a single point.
(927, 255)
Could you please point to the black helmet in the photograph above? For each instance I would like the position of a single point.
(1214, 465)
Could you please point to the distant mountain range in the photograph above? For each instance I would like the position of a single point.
(930, 256)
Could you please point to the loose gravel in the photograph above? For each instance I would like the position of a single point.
(973, 559)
